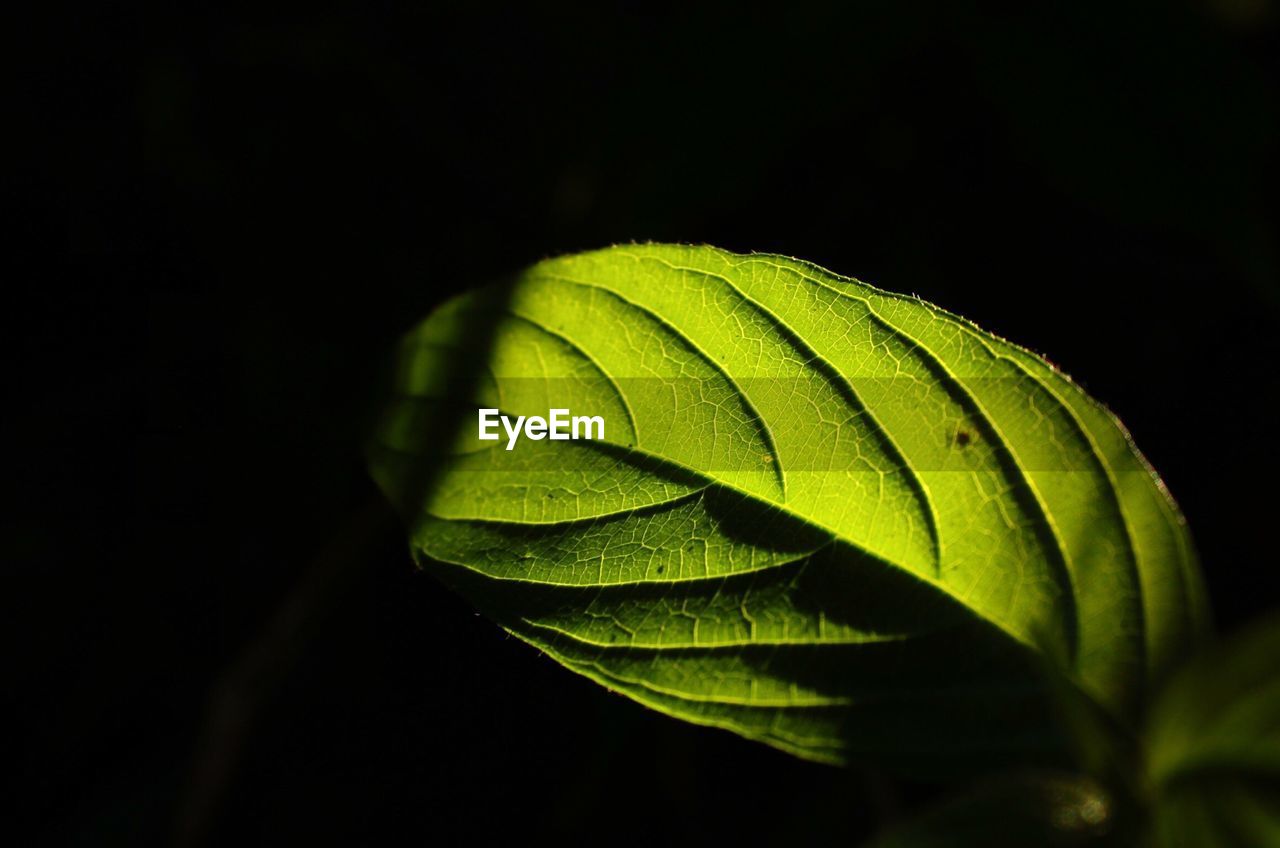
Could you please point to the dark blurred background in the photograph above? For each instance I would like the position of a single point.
(227, 216)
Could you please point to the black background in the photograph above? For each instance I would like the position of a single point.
(226, 218)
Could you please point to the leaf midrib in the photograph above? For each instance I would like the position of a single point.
(807, 521)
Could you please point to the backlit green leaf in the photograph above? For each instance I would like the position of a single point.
(834, 519)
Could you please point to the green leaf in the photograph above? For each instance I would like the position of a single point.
(838, 520)
(1213, 741)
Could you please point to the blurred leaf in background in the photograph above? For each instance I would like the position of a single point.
(1213, 742)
